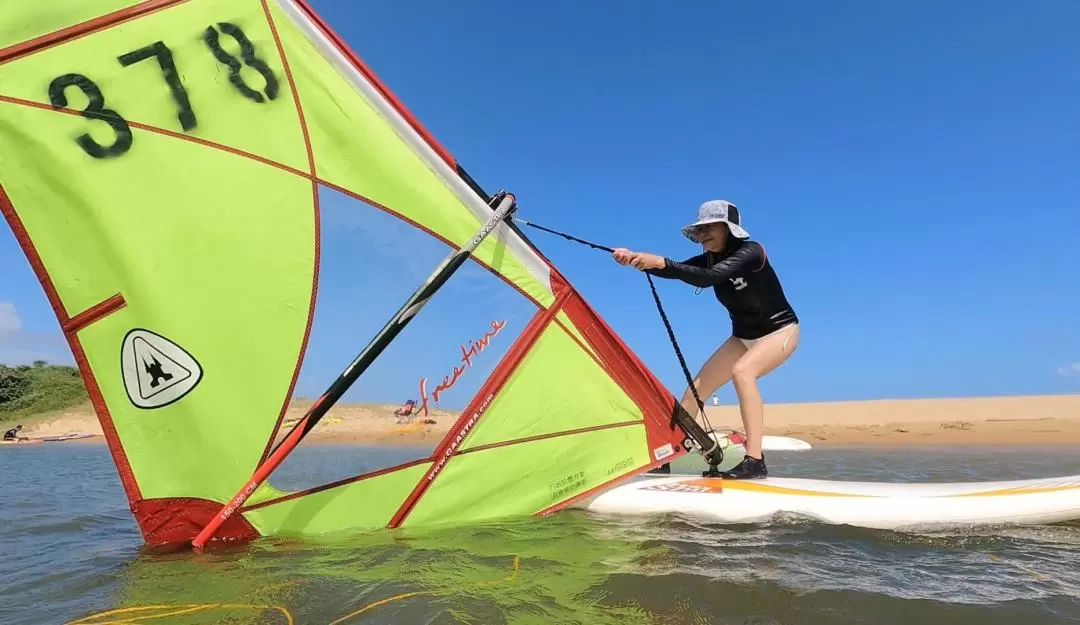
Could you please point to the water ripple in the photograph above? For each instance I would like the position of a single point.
(71, 549)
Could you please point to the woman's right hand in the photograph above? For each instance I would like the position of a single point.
(622, 256)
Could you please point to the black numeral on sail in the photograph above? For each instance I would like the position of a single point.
(168, 69)
(247, 52)
(95, 109)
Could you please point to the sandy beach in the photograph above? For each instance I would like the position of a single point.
(1021, 420)
(1014, 420)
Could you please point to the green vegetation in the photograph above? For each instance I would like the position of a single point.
(29, 390)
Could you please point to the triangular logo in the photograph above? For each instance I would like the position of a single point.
(156, 371)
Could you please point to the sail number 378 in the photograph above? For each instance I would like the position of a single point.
(96, 109)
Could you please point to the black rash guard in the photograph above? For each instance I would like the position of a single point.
(11, 434)
(745, 283)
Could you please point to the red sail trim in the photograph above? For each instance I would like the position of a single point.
(313, 175)
(94, 313)
(461, 429)
(123, 468)
(362, 67)
(390, 211)
(540, 437)
(445, 154)
(655, 402)
(419, 461)
(172, 134)
(330, 485)
(76, 31)
(177, 520)
(296, 172)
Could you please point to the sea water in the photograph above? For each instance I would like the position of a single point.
(70, 552)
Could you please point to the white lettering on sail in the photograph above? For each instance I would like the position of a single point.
(475, 347)
(454, 444)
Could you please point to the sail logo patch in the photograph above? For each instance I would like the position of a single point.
(156, 371)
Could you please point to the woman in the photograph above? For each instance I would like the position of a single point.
(765, 329)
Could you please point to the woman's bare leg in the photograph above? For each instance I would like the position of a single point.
(764, 356)
(716, 372)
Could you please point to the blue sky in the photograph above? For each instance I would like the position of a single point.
(910, 167)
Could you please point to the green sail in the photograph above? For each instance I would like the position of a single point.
(162, 171)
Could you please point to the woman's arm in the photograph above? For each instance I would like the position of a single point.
(696, 271)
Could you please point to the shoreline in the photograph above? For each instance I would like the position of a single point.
(1011, 421)
(889, 445)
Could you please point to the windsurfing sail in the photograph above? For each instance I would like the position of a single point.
(166, 167)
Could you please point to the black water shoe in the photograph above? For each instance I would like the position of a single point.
(748, 469)
(664, 468)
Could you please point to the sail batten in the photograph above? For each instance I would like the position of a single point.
(94, 313)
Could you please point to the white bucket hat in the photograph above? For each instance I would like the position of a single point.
(715, 211)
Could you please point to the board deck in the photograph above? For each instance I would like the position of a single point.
(881, 505)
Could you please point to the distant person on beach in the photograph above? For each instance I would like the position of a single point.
(13, 434)
(765, 329)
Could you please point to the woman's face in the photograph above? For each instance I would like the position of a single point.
(712, 236)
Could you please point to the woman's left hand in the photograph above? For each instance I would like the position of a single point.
(643, 261)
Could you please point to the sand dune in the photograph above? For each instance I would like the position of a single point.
(1031, 420)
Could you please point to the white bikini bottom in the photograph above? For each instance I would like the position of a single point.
(789, 328)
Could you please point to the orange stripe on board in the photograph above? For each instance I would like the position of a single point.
(718, 485)
(1022, 490)
(714, 485)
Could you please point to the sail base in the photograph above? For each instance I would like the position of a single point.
(177, 520)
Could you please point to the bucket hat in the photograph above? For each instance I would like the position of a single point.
(715, 211)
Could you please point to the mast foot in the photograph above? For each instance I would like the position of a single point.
(714, 458)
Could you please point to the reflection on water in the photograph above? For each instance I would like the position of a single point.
(71, 552)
